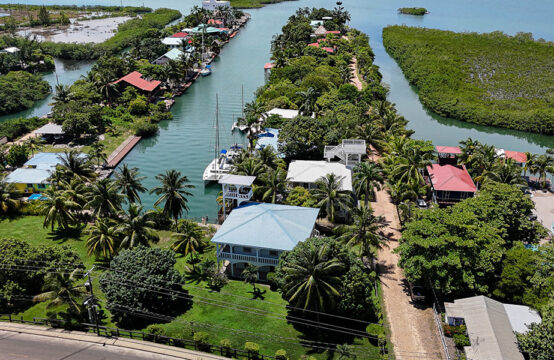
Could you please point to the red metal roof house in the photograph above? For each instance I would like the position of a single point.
(450, 183)
(518, 157)
(135, 79)
(447, 154)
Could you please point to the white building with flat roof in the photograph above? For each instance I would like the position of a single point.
(306, 172)
(212, 5)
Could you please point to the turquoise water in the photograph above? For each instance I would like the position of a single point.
(186, 142)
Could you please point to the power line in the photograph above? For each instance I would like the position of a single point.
(221, 293)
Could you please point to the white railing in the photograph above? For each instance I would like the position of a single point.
(238, 195)
(354, 146)
(438, 322)
(248, 258)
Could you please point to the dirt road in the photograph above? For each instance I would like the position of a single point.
(413, 332)
(355, 79)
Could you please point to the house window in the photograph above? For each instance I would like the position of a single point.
(273, 253)
(247, 249)
(29, 185)
(41, 186)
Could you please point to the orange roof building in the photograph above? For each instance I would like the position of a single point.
(135, 79)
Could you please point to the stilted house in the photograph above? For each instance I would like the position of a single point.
(450, 183)
(135, 79)
(258, 233)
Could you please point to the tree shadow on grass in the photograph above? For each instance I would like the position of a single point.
(257, 293)
(61, 235)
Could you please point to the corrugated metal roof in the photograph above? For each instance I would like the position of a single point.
(28, 176)
(49, 129)
(174, 54)
(284, 113)
(237, 180)
(450, 178)
(269, 226)
(448, 149)
(44, 159)
(489, 328)
(309, 171)
(135, 79)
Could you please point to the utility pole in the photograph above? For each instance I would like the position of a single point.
(91, 303)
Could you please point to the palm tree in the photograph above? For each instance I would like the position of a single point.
(330, 195)
(268, 158)
(468, 147)
(62, 94)
(250, 275)
(364, 233)
(60, 288)
(75, 191)
(97, 151)
(129, 183)
(367, 176)
(410, 164)
(542, 165)
(529, 163)
(104, 199)
(102, 239)
(249, 167)
(507, 172)
(173, 191)
(372, 135)
(309, 98)
(57, 209)
(312, 282)
(105, 86)
(188, 238)
(136, 228)
(275, 182)
(34, 144)
(72, 163)
(7, 194)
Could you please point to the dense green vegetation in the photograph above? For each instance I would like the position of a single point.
(128, 33)
(249, 4)
(14, 128)
(413, 11)
(489, 79)
(19, 90)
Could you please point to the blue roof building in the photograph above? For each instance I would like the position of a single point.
(257, 234)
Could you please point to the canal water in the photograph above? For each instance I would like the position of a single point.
(186, 142)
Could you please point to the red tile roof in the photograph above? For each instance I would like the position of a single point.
(517, 156)
(269, 66)
(448, 149)
(329, 50)
(213, 21)
(135, 79)
(180, 35)
(333, 32)
(314, 44)
(450, 178)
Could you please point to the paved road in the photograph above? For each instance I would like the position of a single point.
(17, 346)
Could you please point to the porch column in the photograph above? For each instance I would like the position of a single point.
(217, 254)
(257, 255)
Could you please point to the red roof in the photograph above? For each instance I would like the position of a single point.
(213, 21)
(333, 32)
(269, 66)
(448, 149)
(450, 178)
(314, 44)
(329, 50)
(180, 35)
(135, 79)
(517, 156)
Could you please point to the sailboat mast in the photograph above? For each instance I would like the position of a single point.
(242, 99)
(216, 127)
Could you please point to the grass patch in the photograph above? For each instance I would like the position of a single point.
(270, 330)
(250, 4)
(489, 79)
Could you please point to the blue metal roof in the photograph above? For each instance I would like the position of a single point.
(28, 176)
(270, 226)
(44, 158)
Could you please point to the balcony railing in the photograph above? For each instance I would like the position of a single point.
(248, 258)
(237, 195)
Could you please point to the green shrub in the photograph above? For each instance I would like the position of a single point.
(253, 349)
(18, 155)
(201, 339)
(461, 340)
(155, 331)
(14, 128)
(145, 129)
(281, 354)
(138, 106)
(19, 90)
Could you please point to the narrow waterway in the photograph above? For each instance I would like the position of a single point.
(186, 142)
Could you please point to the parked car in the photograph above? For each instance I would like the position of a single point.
(421, 204)
(533, 215)
(417, 292)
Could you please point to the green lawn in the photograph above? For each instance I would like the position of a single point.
(246, 4)
(221, 321)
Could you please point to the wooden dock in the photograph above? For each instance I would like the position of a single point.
(122, 150)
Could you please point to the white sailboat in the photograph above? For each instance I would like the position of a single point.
(206, 69)
(222, 163)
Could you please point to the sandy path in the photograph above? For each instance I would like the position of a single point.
(413, 331)
(355, 79)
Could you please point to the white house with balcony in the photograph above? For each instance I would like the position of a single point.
(257, 234)
(349, 151)
(305, 173)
